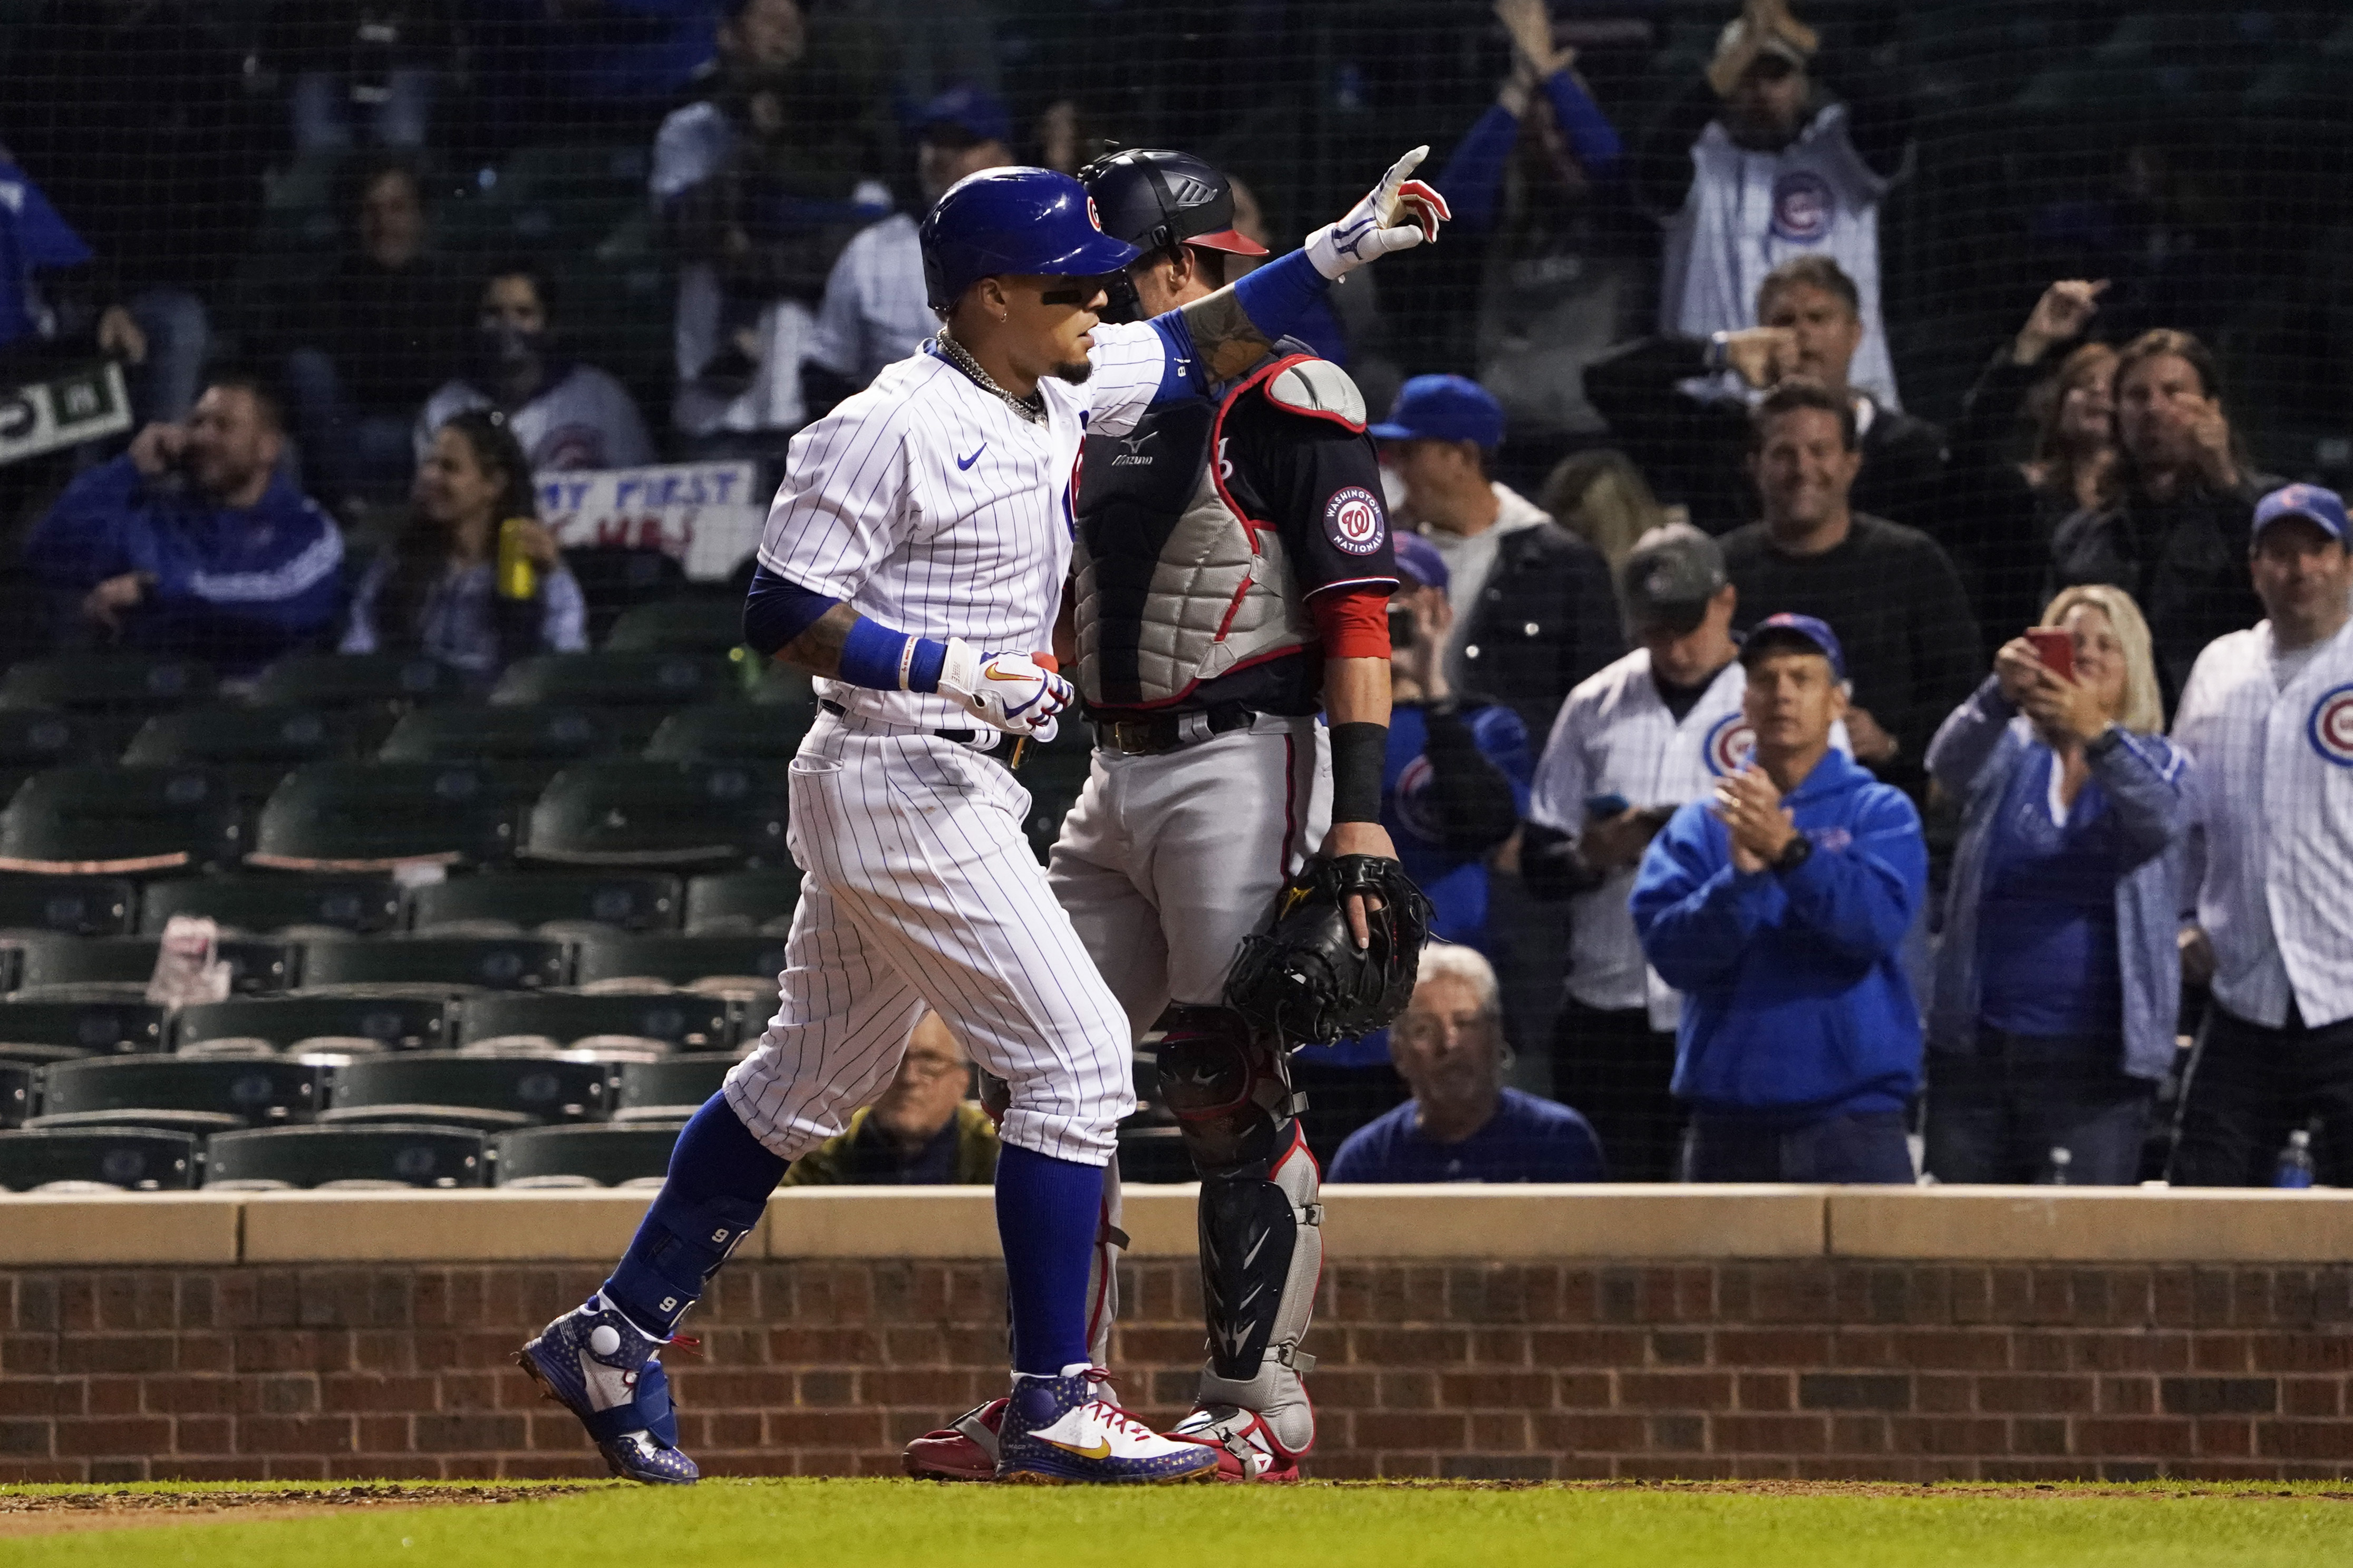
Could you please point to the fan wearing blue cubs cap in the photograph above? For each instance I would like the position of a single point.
(911, 563)
(2268, 715)
(1780, 910)
(1230, 569)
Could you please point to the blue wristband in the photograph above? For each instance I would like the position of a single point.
(875, 657)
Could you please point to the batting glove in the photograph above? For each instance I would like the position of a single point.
(1396, 214)
(1011, 692)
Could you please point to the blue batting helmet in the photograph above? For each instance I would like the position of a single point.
(1013, 220)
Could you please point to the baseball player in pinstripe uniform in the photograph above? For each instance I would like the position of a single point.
(915, 551)
(1231, 573)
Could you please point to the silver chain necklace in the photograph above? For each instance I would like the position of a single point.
(1031, 409)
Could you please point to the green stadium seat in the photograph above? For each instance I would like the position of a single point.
(252, 747)
(106, 683)
(59, 1030)
(35, 738)
(659, 813)
(632, 679)
(680, 959)
(671, 1089)
(256, 1093)
(82, 906)
(100, 818)
(16, 1092)
(731, 732)
(257, 965)
(520, 901)
(706, 625)
(548, 736)
(678, 1020)
(727, 902)
(140, 1159)
(273, 901)
(492, 962)
(392, 1154)
(377, 1022)
(534, 1088)
(355, 680)
(1153, 1152)
(584, 1156)
(358, 816)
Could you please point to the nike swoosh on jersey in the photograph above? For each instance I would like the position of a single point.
(1100, 1450)
(962, 463)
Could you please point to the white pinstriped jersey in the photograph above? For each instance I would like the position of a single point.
(876, 309)
(2274, 834)
(931, 507)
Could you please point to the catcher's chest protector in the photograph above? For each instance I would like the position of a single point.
(1175, 587)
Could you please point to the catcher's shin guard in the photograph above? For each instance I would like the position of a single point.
(1261, 1242)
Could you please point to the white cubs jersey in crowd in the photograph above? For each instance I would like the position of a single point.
(876, 309)
(2272, 838)
(1748, 212)
(930, 506)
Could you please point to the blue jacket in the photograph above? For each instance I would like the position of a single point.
(1976, 754)
(1795, 1003)
(236, 586)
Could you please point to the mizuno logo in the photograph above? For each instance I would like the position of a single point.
(1136, 455)
(1099, 1449)
(962, 463)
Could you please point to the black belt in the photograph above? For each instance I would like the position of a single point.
(961, 737)
(1159, 732)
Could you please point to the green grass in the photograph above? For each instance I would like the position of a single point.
(866, 1524)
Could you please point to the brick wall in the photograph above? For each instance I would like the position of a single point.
(1813, 1368)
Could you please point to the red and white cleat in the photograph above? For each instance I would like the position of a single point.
(1246, 1450)
(963, 1450)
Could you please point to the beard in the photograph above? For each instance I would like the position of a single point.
(1076, 372)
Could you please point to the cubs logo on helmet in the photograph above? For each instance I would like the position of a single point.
(1730, 742)
(2331, 727)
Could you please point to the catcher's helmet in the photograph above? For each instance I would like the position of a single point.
(1013, 220)
(1305, 978)
(1154, 199)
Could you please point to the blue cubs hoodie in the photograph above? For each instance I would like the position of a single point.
(1796, 1004)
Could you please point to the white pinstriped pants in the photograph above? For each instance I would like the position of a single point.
(920, 892)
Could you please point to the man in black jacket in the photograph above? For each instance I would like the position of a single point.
(1533, 610)
(2176, 540)
(1670, 402)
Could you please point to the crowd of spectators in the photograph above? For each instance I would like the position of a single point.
(1733, 840)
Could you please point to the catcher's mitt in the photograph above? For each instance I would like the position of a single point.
(1305, 977)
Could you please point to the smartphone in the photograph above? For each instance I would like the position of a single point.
(2055, 648)
(1400, 629)
(1606, 805)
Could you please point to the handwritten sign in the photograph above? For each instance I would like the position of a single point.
(708, 515)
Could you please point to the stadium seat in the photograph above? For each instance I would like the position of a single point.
(60, 1030)
(354, 680)
(659, 813)
(678, 1020)
(16, 1092)
(731, 732)
(257, 965)
(537, 1088)
(82, 906)
(671, 1089)
(1152, 1151)
(106, 683)
(524, 745)
(101, 818)
(707, 623)
(252, 747)
(730, 902)
(584, 1156)
(360, 817)
(35, 738)
(255, 1093)
(616, 679)
(614, 578)
(385, 1154)
(382, 1022)
(680, 960)
(493, 962)
(273, 901)
(529, 901)
(142, 1159)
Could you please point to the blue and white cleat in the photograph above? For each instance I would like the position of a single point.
(1057, 1432)
(596, 1363)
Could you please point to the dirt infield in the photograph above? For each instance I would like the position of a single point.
(52, 1512)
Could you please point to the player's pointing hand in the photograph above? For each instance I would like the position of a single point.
(1398, 213)
(1011, 692)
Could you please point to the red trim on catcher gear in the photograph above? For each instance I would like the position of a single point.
(1352, 624)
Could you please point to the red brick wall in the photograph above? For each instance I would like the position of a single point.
(1477, 1370)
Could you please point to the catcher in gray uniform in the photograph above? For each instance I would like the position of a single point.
(1230, 580)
